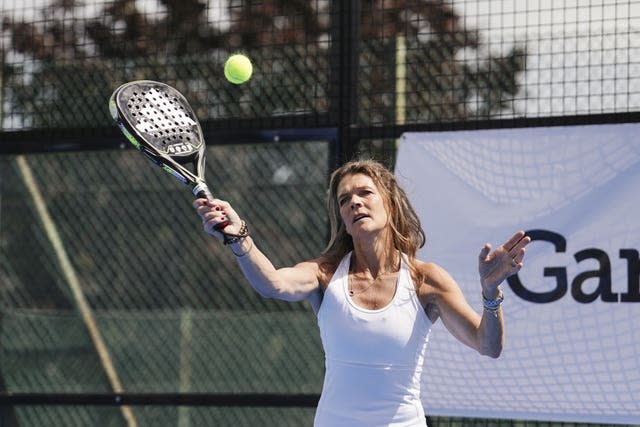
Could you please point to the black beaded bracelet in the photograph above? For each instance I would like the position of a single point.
(230, 238)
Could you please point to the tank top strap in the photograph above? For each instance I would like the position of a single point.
(339, 278)
(338, 285)
(343, 268)
(404, 277)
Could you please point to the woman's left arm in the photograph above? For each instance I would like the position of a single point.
(483, 333)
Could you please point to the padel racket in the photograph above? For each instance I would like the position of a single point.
(157, 119)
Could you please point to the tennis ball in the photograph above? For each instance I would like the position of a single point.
(238, 69)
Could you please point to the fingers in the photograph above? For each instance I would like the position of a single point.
(213, 212)
(199, 202)
(511, 252)
(203, 206)
(485, 251)
(202, 202)
(519, 256)
(514, 240)
(215, 216)
(515, 245)
(517, 251)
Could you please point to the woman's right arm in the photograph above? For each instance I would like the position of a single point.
(290, 284)
(295, 283)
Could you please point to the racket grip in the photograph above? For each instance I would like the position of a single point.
(201, 191)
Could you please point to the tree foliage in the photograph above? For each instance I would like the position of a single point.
(59, 69)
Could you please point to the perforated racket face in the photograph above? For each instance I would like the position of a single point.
(161, 116)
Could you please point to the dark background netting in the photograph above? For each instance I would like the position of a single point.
(91, 235)
(172, 308)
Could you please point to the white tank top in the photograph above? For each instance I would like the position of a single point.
(373, 358)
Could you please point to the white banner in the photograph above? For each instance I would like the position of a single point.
(572, 350)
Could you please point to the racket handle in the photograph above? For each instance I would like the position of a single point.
(221, 226)
(201, 191)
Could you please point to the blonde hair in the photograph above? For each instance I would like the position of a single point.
(404, 225)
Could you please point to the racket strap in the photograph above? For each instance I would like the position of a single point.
(230, 238)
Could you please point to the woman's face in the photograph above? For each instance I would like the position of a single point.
(362, 206)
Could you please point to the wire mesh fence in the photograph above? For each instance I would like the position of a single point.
(416, 61)
(172, 309)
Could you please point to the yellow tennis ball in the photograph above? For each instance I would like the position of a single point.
(238, 69)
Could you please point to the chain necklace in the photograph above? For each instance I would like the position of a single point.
(373, 282)
(353, 293)
(361, 291)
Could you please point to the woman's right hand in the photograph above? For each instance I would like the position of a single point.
(215, 212)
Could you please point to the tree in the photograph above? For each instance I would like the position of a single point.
(70, 65)
(440, 85)
(75, 62)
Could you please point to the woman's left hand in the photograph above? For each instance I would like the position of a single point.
(505, 261)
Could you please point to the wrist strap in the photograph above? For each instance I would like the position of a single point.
(230, 238)
(243, 254)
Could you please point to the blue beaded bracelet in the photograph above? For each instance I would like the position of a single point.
(492, 304)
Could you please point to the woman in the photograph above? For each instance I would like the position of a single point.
(375, 301)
